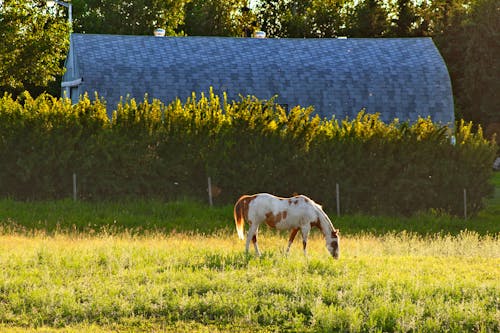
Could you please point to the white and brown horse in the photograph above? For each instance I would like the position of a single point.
(295, 213)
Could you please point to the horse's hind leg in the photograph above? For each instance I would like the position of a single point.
(290, 240)
(255, 244)
(252, 236)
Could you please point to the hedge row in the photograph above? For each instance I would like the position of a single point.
(150, 149)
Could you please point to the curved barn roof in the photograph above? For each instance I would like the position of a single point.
(398, 77)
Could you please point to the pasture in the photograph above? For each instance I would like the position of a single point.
(147, 266)
(183, 282)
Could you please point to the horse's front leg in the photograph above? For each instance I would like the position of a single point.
(305, 233)
(290, 240)
(252, 236)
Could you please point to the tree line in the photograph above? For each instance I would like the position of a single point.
(150, 149)
(465, 31)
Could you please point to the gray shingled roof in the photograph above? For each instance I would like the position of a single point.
(399, 77)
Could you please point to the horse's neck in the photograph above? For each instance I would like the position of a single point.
(326, 224)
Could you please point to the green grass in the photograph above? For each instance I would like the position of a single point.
(492, 210)
(186, 216)
(152, 266)
(146, 216)
(136, 216)
(206, 283)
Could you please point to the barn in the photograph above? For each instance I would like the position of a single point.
(400, 78)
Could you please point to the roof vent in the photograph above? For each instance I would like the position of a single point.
(259, 34)
(159, 32)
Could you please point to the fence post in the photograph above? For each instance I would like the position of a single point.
(337, 190)
(465, 204)
(74, 186)
(210, 192)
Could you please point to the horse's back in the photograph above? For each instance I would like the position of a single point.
(282, 213)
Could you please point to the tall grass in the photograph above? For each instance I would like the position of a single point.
(186, 282)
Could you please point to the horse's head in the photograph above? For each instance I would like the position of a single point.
(333, 245)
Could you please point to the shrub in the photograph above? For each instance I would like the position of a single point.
(150, 149)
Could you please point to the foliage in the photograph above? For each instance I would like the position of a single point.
(470, 48)
(128, 17)
(33, 45)
(42, 139)
(366, 19)
(369, 19)
(406, 17)
(312, 18)
(218, 18)
(189, 282)
(167, 151)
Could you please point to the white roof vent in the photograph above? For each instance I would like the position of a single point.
(159, 32)
(259, 34)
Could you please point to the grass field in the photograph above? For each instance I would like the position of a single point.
(147, 266)
(187, 282)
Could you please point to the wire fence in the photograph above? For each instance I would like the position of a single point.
(463, 196)
(338, 195)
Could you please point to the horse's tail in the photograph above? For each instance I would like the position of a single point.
(239, 216)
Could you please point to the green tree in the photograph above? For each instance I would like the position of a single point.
(369, 19)
(138, 17)
(270, 15)
(405, 21)
(284, 18)
(468, 36)
(439, 16)
(299, 19)
(33, 45)
(481, 79)
(219, 18)
(327, 18)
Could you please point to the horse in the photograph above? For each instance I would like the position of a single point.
(294, 213)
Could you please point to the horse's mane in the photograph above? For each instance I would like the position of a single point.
(325, 219)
